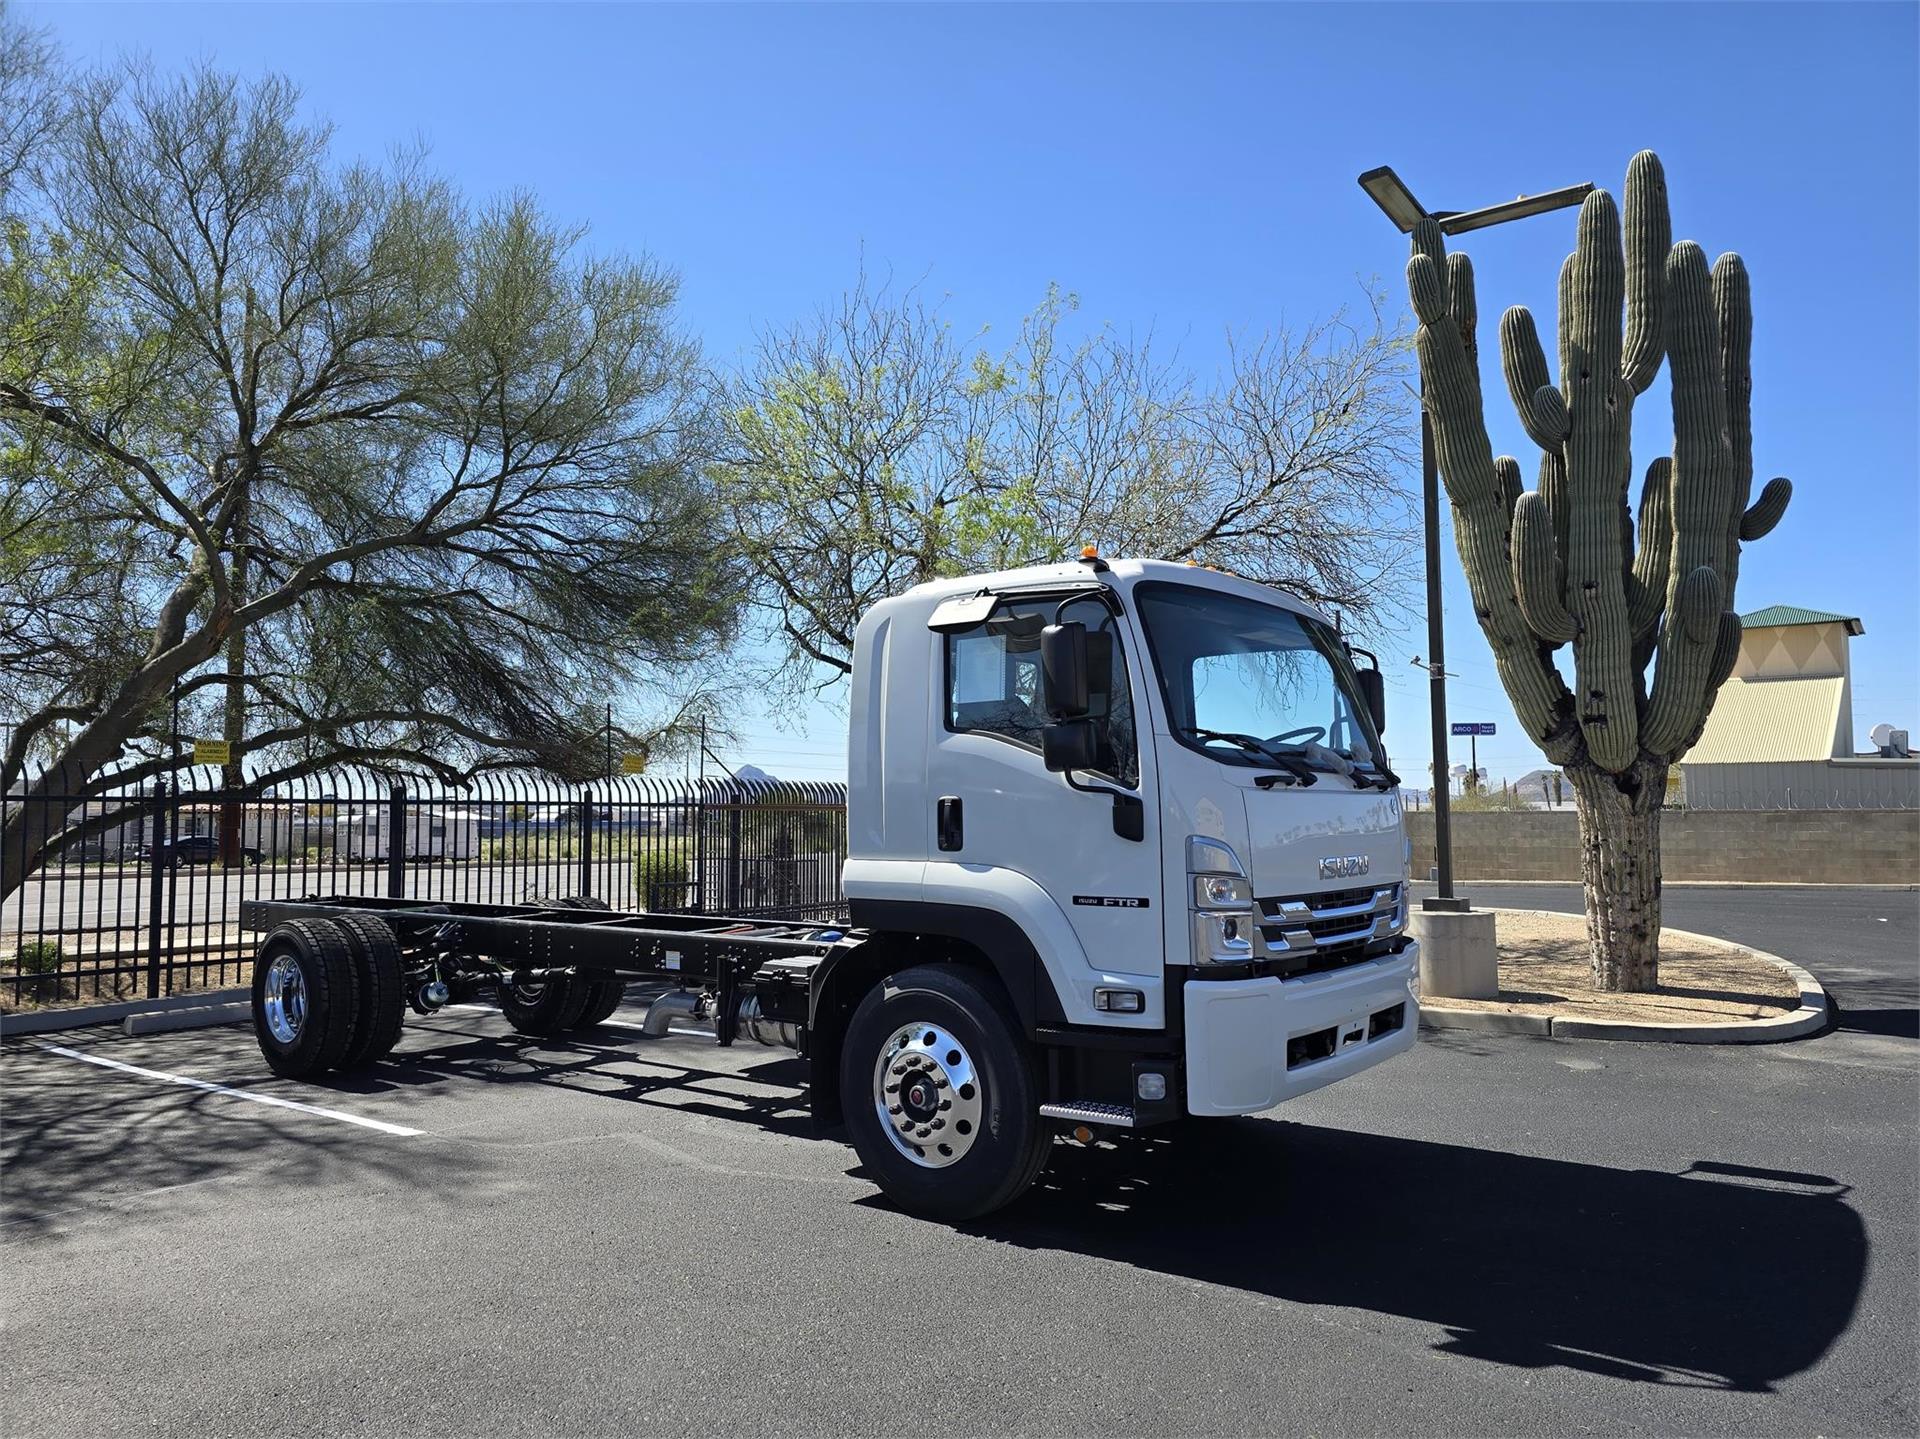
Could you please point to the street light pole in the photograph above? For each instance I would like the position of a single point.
(1390, 193)
(1436, 668)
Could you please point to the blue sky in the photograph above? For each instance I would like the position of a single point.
(1189, 168)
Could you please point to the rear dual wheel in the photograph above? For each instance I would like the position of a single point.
(556, 1005)
(327, 994)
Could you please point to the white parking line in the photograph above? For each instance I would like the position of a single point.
(211, 1088)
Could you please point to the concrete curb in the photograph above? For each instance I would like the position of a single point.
(45, 1021)
(1810, 1018)
(198, 1017)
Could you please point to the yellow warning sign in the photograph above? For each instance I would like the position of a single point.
(633, 764)
(212, 751)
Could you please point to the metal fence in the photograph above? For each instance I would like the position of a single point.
(143, 897)
(1835, 784)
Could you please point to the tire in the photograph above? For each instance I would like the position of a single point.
(604, 998)
(305, 997)
(906, 1033)
(603, 995)
(382, 1007)
(546, 1009)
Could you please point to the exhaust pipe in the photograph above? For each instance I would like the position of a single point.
(661, 1012)
(751, 1022)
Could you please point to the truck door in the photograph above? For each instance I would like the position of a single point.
(995, 811)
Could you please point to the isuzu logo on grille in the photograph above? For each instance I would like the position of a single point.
(1345, 866)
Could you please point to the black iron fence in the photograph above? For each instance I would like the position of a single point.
(140, 897)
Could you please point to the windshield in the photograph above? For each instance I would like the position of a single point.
(1254, 684)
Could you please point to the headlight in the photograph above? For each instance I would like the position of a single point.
(1221, 891)
(1222, 909)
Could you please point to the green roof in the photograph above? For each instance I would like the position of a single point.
(1777, 615)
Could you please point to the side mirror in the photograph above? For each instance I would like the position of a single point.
(1068, 744)
(1373, 689)
(1063, 671)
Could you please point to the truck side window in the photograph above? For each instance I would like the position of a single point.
(993, 682)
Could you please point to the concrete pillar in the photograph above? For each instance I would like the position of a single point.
(1459, 958)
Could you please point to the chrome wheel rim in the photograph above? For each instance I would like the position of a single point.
(927, 1095)
(286, 998)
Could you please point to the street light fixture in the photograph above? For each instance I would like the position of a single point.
(1390, 193)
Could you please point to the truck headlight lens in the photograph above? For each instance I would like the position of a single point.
(1223, 936)
(1221, 891)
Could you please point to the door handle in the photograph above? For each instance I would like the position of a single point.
(949, 829)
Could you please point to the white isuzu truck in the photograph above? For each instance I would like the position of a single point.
(1124, 848)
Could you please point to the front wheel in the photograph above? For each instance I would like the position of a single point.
(940, 1096)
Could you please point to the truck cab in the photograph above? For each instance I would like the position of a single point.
(1152, 800)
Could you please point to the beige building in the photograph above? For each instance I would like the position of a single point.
(1791, 695)
(1781, 732)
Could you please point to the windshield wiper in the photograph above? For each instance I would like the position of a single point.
(1297, 771)
(1370, 771)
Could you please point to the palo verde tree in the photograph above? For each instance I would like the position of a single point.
(392, 478)
(869, 450)
(1564, 564)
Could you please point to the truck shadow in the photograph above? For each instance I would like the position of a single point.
(1718, 1276)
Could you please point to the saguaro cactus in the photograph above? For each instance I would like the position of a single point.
(1561, 564)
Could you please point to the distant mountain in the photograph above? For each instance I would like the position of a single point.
(753, 771)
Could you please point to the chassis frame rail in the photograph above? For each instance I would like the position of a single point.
(527, 939)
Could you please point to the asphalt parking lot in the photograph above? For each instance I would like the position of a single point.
(497, 1235)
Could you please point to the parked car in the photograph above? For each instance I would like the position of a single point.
(200, 849)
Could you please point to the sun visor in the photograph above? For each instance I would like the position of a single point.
(961, 612)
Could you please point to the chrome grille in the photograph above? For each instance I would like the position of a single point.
(1301, 933)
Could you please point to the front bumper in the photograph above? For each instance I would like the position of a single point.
(1254, 1043)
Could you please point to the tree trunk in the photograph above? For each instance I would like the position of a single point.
(233, 728)
(1620, 868)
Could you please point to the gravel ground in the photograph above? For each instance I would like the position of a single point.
(1544, 970)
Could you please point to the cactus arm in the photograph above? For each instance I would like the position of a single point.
(1553, 489)
(1647, 594)
(1702, 489)
(1542, 412)
(1764, 513)
(1726, 653)
(1507, 470)
(1733, 315)
(1649, 233)
(1537, 580)
(1478, 491)
(1463, 308)
(1599, 411)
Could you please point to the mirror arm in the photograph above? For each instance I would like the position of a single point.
(1129, 810)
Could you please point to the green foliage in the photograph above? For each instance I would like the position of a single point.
(38, 956)
(872, 449)
(1559, 564)
(440, 464)
(661, 873)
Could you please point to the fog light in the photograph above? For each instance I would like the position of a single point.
(1150, 1087)
(1120, 1001)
